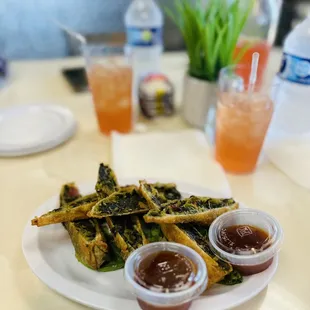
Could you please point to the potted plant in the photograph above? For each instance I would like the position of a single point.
(211, 34)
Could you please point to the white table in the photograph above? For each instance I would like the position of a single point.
(29, 181)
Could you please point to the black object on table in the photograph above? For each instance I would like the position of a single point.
(77, 79)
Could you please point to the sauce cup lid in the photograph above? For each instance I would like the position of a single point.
(200, 280)
(252, 217)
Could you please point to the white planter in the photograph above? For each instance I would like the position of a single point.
(199, 100)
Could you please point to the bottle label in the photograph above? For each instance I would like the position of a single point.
(144, 36)
(295, 69)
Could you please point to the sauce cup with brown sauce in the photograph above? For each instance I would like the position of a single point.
(247, 238)
(165, 275)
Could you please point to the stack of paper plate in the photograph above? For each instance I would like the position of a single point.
(31, 129)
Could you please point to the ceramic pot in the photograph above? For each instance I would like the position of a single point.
(199, 102)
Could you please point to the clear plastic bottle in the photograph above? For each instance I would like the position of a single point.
(288, 140)
(144, 23)
(291, 88)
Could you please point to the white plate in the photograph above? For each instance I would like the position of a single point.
(50, 255)
(31, 129)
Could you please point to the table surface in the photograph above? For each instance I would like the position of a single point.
(28, 181)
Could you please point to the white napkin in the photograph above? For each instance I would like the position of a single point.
(184, 156)
(291, 154)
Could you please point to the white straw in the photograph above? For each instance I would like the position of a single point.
(72, 33)
(253, 74)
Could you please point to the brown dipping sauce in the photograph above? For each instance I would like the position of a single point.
(245, 240)
(165, 272)
(241, 239)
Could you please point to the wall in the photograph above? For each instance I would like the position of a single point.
(27, 29)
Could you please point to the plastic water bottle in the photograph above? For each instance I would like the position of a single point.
(144, 24)
(291, 88)
(288, 140)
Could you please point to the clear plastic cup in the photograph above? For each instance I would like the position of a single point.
(150, 298)
(244, 112)
(247, 262)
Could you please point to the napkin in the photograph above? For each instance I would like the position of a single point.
(177, 156)
(291, 154)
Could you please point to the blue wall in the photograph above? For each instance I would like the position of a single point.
(27, 29)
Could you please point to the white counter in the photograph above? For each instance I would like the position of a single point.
(29, 181)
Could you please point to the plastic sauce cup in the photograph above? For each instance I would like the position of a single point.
(151, 299)
(248, 263)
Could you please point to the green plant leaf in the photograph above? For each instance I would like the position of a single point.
(223, 11)
(218, 43)
(208, 40)
(210, 33)
(240, 19)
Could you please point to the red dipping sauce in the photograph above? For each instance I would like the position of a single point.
(248, 270)
(166, 275)
(247, 238)
(165, 272)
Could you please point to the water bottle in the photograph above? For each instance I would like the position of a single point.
(291, 88)
(144, 23)
(288, 140)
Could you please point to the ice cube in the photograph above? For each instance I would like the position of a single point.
(232, 82)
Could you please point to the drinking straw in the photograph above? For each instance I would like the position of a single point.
(253, 74)
(72, 33)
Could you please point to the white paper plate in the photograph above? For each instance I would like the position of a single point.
(50, 255)
(31, 129)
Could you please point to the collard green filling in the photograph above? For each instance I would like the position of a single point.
(114, 260)
(152, 231)
(84, 200)
(232, 278)
(199, 234)
(152, 194)
(106, 182)
(87, 228)
(121, 203)
(166, 192)
(125, 226)
(84, 232)
(192, 205)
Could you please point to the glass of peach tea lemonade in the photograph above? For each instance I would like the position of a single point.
(244, 111)
(110, 80)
